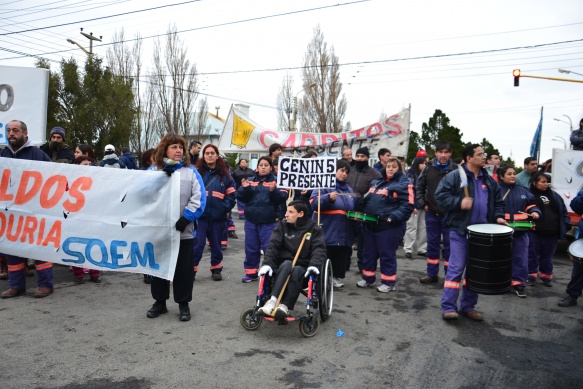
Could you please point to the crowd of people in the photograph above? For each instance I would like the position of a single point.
(371, 209)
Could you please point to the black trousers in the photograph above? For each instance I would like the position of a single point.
(340, 257)
(294, 286)
(183, 277)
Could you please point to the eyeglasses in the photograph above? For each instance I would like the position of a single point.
(480, 155)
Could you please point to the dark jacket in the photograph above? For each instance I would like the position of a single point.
(359, 180)
(577, 139)
(338, 229)
(427, 184)
(577, 207)
(389, 199)
(220, 195)
(413, 177)
(60, 153)
(128, 160)
(27, 151)
(239, 174)
(378, 167)
(517, 199)
(261, 205)
(559, 208)
(111, 160)
(285, 241)
(449, 195)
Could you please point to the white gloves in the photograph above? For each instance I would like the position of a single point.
(311, 269)
(265, 269)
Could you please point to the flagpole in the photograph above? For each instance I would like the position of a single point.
(541, 135)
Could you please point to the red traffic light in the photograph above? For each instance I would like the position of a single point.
(516, 74)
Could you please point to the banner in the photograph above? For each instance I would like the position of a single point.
(567, 176)
(306, 173)
(23, 96)
(97, 218)
(241, 134)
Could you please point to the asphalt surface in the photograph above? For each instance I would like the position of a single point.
(98, 336)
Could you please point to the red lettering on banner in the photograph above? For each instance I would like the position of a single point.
(54, 235)
(41, 231)
(289, 141)
(263, 137)
(357, 133)
(329, 138)
(28, 228)
(61, 182)
(22, 196)
(394, 128)
(9, 234)
(306, 138)
(4, 195)
(374, 130)
(81, 183)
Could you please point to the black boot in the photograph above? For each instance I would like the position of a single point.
(184, 312)
(157, 309)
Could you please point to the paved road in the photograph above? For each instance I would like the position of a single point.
(98, 336)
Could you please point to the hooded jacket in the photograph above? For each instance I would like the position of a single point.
(27, 151)
(427, 183)
(261, 204)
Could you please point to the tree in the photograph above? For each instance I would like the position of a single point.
(322, 107)
(201, 118)
(54, 109)
(285, 104)
(414, 147)
(439, 128)
(175, 84)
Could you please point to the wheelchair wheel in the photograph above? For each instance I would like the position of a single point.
(326, 290)
(249, 321)
(307, 329)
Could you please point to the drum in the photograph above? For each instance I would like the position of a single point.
(522, 225)
(576, 251)
(489, 268)
(363, 217)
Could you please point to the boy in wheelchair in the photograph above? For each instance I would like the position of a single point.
(284, 244)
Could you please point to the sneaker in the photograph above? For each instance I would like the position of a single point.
(364, 284)
(281, 312)
(422, 253)
(474, 315)
(566, 301)
(355, 247)
(223, 247)
(547, 283)
(452, 315)
(157, 309)
(217, 277)
(337, 283)
(386, 288)
(233, 235)
(428, 279)
(184, 312)
(249, 278)
(148, 279)
(42, 292)
(79, 280)
(408, 255)
(95, 279)
(267, 308)
(7, 294)
(519, 292)
(531, 282)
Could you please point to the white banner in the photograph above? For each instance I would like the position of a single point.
(306, 173)
(23, 96)
(241, 134)
(97, 218)
(567, 174)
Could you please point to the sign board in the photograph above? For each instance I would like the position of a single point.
(306, 173)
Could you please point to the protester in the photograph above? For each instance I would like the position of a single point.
(127, 158)
(421, 153)
(436, 230)
(110, 159)
(171, 157)
(220, 195)
(575, 286)
(57, 149)
(493, 160)
(483, 205)
(338, 229)
(275, 151)
(552, 226)
(85, 151)
(347, 156)
(359, 180)
(390, 199)
(243, 171)
(262, 198)
(524, 177)
(283, 247)
(383, 155)
(305, 195)
(415, 236)
(577, 137)
(20, 147)
(194, 151)
(147, 159)
(519, 205)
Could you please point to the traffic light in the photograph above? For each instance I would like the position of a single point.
(516, 74)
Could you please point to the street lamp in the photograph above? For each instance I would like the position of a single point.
(561, 139)
(570, 123)
(566, 71)
(313, 84)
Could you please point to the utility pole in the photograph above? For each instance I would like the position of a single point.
(91, 39)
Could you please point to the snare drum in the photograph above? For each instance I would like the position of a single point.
(576, 251)
(363, 217)
(521, 225)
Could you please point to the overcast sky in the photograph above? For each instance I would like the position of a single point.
(456, 56)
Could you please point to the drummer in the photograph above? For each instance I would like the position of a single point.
(483, 204)
(519, 206)
(575, 286)
(390, 199)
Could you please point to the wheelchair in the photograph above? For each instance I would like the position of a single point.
(320, 299)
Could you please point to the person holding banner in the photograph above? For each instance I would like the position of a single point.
(20, 147)
(171, 156)
(391, 200)
(262, 199)
(338, 229)
(220, 194)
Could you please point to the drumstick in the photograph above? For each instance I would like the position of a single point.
(348, 194)
(504, 198)
(526, 213)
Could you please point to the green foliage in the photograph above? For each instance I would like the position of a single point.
(438, 128)
(414, 146)
(232, 160)
(93, 105)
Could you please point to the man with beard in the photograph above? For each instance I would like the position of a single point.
(20, 147)
(56, 149)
